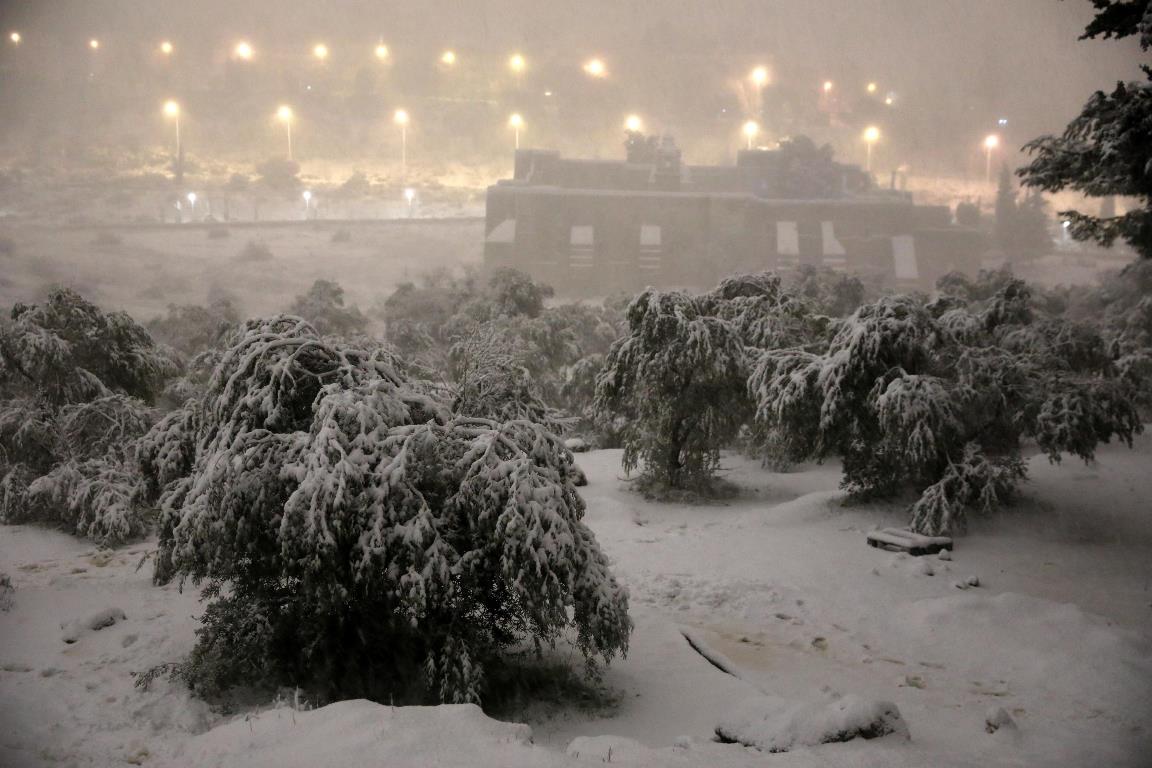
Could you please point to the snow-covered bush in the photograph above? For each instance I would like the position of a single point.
(940, 396)
(73, 382)
(358, 538)
(192, 329)
(323, 306)
(677, 379)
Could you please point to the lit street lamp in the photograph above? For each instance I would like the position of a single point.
(634, 124)
(410, 197)
(828, 86)
(751, 129)
(448, 58)
(15, 38)
(94, 44)
(381, 51)
(243, 51)
(307, 195)
(517, 64)
(320, 51)
(401, 119)
(595, 68)
(991, 142)
(284, 115)
(872, 87)
(759, 76)
(166, 47)
(871, 136)
(516, 122)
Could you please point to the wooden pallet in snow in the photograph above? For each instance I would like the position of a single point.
(903, 540)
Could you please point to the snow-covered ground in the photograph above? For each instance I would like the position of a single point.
(778, 586)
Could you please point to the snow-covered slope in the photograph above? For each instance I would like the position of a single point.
(778, 584)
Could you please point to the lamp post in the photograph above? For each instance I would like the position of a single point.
(871, 136)
(517, 64)
(284, 115)
(516, 122)
(172, 110)
(401, 119)
(751, 129)
(307, 195)
(15, 38)
(166, 47)
(320, 51)
(448, 58)
(634, 124)
(243, 51)
(991, 142)
(381, 51)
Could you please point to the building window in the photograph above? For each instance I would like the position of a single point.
(582, 247)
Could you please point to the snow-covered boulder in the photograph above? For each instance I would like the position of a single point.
(777, 725)
(73, 630)
(577, 444)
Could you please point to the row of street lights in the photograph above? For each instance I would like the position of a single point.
(633, 123)
(595, 67)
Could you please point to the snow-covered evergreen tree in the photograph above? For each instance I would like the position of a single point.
(1107, 149)
(367, 533)
(677, 380)
(73, 381)
(939, 397)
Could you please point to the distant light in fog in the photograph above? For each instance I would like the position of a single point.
(381, 51)
(1002, 122)
(320, 51)
(828, 86)
(751, 130)
(516, 121)
(595, 68)
(192, 199)
(547, 93)
(872, 87)
(890, 99)
(94, 44)
(243, 51)
(307, 195)
(15, 38)
(448, 58)
(759, 76)
(400, 117)
(166, 48)
(634, 123)
(172, 108)
(517, 63)
(871, 136)
(991, 141)
(284, 113)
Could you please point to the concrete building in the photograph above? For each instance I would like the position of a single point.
(590, 227)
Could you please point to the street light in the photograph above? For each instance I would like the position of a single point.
(307, 195)
(284, 115)
(172, 110)
(828, 87)
(410, 197)
(448, 58)
(991, 142)
(400, 118)
(872, 87)
(517, 64)
(595, 68)
(381, 51)
(166, 47)
(634, 124)
(751, 129)
(94, 44)
(320, 51)
(516, 122)
(243, 51)
(759, 76)
(871, 136)
(15, 38)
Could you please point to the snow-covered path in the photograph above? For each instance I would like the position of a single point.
(779, 581)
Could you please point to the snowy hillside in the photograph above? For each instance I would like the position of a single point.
(1053, 647)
